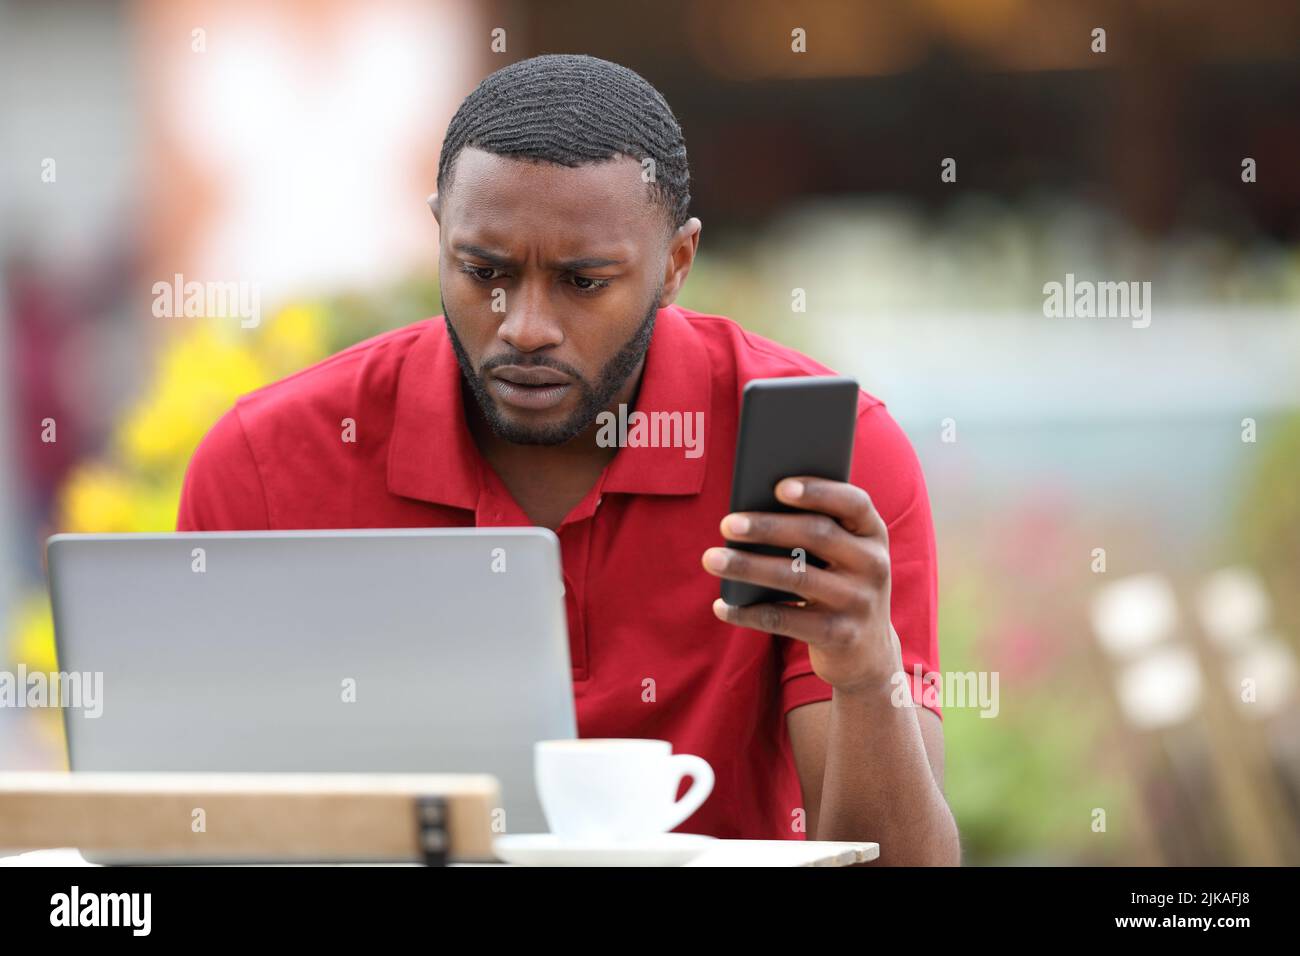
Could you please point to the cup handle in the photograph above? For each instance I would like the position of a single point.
(701, 786)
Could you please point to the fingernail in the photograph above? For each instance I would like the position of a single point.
(715, 559)
(737, 524)
(792, 488)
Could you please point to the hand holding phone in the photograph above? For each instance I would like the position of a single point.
(804, 428)
(788, 427)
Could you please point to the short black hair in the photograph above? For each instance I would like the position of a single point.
(573, 109)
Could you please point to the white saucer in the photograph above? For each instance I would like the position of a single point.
(547, 849)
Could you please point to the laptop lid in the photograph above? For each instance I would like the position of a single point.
(403, 650)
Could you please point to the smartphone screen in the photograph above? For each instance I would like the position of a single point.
(788, 426)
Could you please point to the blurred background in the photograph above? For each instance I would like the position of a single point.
(1117, 508)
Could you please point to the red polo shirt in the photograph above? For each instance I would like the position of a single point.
(639, 603)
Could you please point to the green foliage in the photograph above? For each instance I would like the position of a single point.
(1028, 778)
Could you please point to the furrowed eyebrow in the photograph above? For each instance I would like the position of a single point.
(480, 253)
(591, 262)
(567, 265)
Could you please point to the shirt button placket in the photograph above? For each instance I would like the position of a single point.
(575, 540)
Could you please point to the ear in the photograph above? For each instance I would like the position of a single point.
(682, 245)
(433, 202)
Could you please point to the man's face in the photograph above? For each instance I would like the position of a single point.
(573, 260)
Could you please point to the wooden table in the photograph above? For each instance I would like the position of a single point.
(396, 819)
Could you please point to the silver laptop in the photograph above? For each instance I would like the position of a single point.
(429, 650)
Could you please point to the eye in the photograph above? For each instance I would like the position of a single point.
(477, 272)
(592, 284)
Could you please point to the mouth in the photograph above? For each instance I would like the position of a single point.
(535, 388)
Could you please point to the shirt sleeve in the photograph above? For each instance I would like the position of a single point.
(222, 490)
(886, 466)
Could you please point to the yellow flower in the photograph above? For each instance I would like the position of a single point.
(33, 645)
(98, 498)
(33, 630)
(200, 375)
(295, 337)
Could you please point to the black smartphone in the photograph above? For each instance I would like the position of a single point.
(788, 426)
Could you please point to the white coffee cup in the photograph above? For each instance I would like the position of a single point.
(616, 788)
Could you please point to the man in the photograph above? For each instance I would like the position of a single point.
(562, 200)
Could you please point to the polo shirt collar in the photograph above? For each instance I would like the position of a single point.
(432, 455)
(676, 378)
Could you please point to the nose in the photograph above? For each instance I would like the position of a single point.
(530, 324)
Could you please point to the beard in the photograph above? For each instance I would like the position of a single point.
(593, 399)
